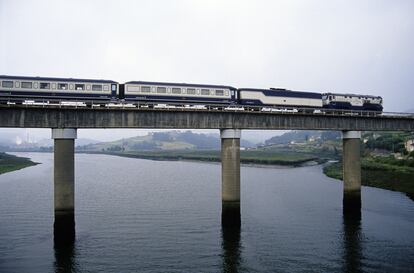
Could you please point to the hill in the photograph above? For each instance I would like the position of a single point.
(161, 141)
(303, 136)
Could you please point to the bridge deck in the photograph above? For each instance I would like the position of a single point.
(34, 116)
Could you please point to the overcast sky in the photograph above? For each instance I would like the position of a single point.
(337, 46)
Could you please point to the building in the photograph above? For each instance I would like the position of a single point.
(409, 145)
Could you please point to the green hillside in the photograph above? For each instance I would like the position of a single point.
(9, 163)
(160, 141)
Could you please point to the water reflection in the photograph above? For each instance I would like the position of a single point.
(230, 232)
(352, 234)
(230, 214)
(64, 243)
(352, 203)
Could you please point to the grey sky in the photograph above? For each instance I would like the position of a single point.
(337, 46)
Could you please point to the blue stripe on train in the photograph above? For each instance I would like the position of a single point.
(260, 103)
(53, 95)
(182, 84)
(284, 93)
(26, 78)
(179, 99)
(349, 106)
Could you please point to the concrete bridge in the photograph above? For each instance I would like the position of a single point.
(65, 120)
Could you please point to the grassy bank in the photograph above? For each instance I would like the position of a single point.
(9, 163)
(380, 173)
(247, 157)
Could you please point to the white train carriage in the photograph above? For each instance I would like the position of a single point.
(352, 102)
(19, 89)
(279, 98)
(177, 93)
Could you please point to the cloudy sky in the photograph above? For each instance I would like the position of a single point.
(314, 45)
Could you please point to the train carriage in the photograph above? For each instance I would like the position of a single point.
(177, 93)
(40, 89)
(277, 97)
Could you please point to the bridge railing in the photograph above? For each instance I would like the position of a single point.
(171, 107)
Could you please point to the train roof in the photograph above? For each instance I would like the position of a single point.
(53, 79)
(181, 84)
(352, 95)
(285, 92)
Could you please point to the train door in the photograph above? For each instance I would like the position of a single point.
(113, 90)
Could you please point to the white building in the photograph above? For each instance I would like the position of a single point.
(409, 145)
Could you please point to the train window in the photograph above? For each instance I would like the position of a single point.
(88, 87)
(113, 87)
(161, 90)
(71, 86)
(106, 87)
(35, 85)
(79, 86)
(53, 85)
(146, 89)
(330, 97)
(28, 85)
(62, 86)
(132, 88)
(96, 87)
(191, 91)
(205, 92)
(176, 90)
(44, 85)
(226, 93)
(17, 84)
(219, 92)
(7, 84)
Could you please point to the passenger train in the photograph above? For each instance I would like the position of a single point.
(18, 90)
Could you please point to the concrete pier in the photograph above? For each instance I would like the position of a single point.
(230, 176)
(351, 170)
(64, 171)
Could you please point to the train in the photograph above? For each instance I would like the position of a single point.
(20, 89)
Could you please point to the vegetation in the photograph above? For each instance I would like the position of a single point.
(251, 157)
(390, 141)
(9, 163)
(381, 173)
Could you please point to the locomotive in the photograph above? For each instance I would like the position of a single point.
(18, 89)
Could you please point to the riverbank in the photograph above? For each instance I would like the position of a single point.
(9, 163)
(246, 157)
(380, 174)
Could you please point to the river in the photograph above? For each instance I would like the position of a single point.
(135, 215)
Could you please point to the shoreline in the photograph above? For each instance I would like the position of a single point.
(11, 163)
(386, 178)
(261, 162)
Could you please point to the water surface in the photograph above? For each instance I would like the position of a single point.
(135, 215)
